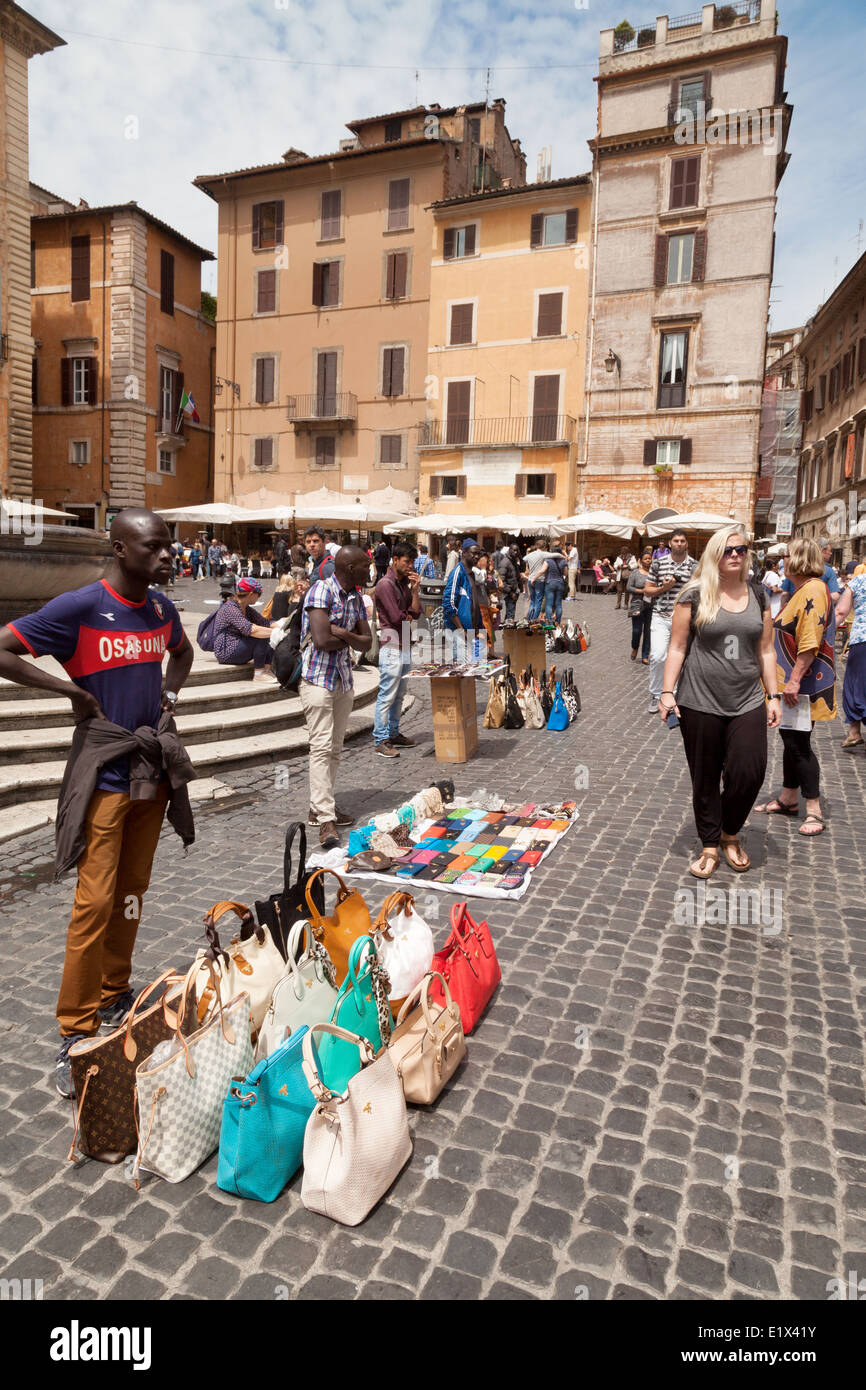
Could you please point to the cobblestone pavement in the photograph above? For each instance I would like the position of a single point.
(649, 1109)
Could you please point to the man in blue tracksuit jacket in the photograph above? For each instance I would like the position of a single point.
(460, 606)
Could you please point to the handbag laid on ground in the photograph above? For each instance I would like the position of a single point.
(279, 911)
(263, 1123)
(513, 713)
(428, 1042)
(349, 920)
(356, 1144)
(305, 993)
(469, 966)
(103, 1073)
(180, 1098)
(494, 714)
(558, 719)
(251, 963)
(405, 944)
(361, 1008)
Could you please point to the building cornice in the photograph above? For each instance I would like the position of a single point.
(25, 33)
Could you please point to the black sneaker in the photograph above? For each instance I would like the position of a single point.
(63, 1066)
(114, 1014)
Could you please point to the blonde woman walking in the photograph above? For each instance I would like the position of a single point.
(722, 666)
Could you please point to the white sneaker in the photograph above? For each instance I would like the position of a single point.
(654, 707)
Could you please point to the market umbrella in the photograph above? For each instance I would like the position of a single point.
(389, 499)
(435, 523)
(688, 521)
(609, 523)
(207, 513)
(513, 524)
(13, 509)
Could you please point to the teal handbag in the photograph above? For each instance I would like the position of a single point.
(361, 1008)
(559, 714)
(263, 1125)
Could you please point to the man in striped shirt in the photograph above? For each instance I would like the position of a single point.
(333, 624)
(667, 575)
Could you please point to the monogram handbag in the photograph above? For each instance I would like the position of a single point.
(355, 1144)
(305, 993)
(180, 1098)
(361, 1008)
(428, 1042)
(251, 964)
(103, 1072)
(494, 714)
(468, 965)
(405, 945)
(280, 910)
(349, 920)
(263, 1124)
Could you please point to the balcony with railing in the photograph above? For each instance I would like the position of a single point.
(333, 408)
(627, 38)
(503, 432)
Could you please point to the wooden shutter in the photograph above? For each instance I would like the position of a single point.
(278, 222)
(707, 98)
(685, 451)
(32, 264)
(257, 226)
(461, 323)
(660, 265)
(66, 381)
(34, 381)
(649, 451)
(326, 450)
(461, 484)
(176, 426)
(536, 229)
(266, 298)
(545, 408)
(448, 243)
(398, 204)
(861, 357)
(263, 453)
(685, 175)
(391, 448)
(331, 283)
(166, 282)
(520, 485)
(821, 392)
(332, 201)
(80, 268)
(401, 274)
(806, 404)
(571, 224)
(549, 315)
(390, 275)
(393, 360)
(90, 379)
(699, 256)
(264, 380)
(550, 484)
(318, 284)
(469, 240)
(457, 412)
(435, 486)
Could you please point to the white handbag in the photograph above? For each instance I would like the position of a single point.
(354, 1144)
(428, 1043)
(251, 964)
(405, 945)
(305, 993)
(179, 1100)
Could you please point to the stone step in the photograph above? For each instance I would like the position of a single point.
(194, 699)
(206, 671)
(22, 820)
(26, 782)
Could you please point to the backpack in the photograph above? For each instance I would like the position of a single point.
(204, 635)
(286, 661)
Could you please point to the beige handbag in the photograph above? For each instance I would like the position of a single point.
(355, 1144)
(494, 714)
(428, 1044)
(251, 964)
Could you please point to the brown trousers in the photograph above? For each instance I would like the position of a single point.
(113, 877)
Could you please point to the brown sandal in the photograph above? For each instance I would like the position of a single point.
(710, 854)
(810, 834)
(729, 843)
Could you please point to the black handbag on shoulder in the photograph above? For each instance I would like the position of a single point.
(281, 911)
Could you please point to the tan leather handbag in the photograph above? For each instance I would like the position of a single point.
(428, 1043)
(494, 714)
(337, 932)
(355, 1144)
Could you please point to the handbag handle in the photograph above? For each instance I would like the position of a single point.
(248, 927)
(311, 1074)
(130, 1047)
(353, 973)
(422, 992)
(459, 915)
(315, 914)
(395, 902)
(291, 832)
(301, 927)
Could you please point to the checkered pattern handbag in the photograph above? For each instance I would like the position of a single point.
(179, 1101)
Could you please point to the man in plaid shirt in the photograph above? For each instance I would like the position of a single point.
(332, 625)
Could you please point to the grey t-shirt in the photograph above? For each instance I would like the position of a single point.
(722, 672)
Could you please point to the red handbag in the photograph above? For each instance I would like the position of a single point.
(468, 962)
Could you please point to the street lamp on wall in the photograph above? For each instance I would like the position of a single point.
(222, 381)
(612, 363)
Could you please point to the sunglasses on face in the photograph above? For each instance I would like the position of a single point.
(739, 550)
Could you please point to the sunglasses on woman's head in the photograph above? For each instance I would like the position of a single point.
(736, 550)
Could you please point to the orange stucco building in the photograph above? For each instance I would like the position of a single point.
(118, 336)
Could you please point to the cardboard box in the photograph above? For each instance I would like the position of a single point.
(455, 718)
(525, 649)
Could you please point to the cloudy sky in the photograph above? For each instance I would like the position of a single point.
(220, 84)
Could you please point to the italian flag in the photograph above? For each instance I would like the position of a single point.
(188, 406)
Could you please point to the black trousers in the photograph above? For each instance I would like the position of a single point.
(727, 758)
(800, 767)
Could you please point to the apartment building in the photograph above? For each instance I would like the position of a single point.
(119, 336)
(323, 296)
(781, 434)
(689, 151)
(21, 38)
(508, 299)
(831, 492)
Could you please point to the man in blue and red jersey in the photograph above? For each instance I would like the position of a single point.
(110, 637)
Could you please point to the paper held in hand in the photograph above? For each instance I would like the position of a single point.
(797, 717)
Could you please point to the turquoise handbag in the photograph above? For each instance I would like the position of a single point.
(558, 720)
(263, 1125)
(361, 1008)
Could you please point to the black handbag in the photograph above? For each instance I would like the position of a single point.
(546, 697)
(281, 911)
(513, 713)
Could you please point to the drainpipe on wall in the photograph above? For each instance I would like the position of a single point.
(212, 436)
(591, 345)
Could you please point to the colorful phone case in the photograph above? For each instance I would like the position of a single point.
(482, 865)
(423, 856)
(507, 832)
(408, 870)
(497, 851)
(494, 816)
(543, 824)
(532, 857)
(462, 862)
(475, 851)
(449, 875)
(510, 881)
(470, 879)
(500, 867)
(514, 856)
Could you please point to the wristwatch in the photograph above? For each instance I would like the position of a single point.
(170, 695)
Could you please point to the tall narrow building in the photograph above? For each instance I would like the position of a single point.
(689, 151)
